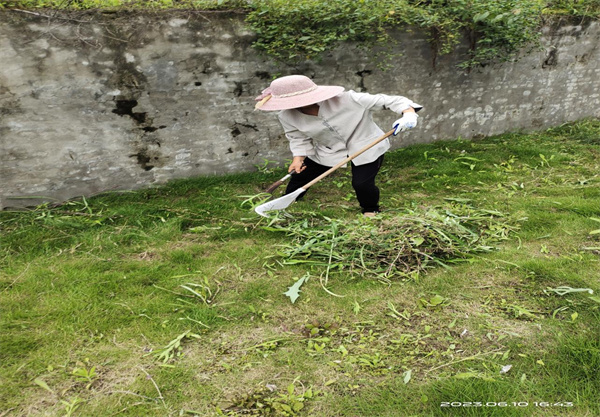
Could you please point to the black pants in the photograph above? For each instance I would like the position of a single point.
(363, 181)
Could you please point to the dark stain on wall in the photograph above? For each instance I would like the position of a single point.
(143, 160)
(238, 128)
(9, 104)
(552, 58)
(153, 129)
(125, 108)
(147, 153)
(263, 75)
(239, 132)
(361, 83)
(239, 89)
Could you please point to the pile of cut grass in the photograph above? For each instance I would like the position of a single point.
(398, 243)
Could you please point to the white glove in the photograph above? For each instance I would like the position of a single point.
(407, 121)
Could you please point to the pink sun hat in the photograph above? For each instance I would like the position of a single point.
(294, 91)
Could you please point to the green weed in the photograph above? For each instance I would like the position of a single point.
(173, 349)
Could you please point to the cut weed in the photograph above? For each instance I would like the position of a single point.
(400, 244)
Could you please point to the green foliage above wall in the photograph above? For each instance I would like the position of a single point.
(305, 29)
(496, 30)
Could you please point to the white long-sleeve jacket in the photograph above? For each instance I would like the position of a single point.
(343, 126)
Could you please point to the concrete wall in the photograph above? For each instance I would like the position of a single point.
(98, 102)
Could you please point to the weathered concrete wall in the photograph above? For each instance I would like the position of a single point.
(102, 102)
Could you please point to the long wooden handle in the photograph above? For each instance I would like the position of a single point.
(348, 159)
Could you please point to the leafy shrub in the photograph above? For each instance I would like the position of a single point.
(307, 28)
(495, 30)
(579, 8)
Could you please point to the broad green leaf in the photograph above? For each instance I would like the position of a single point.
(466, 375)
(43, 384)
(294, 291)
(417, 241)
(436, 300)
(479, 17)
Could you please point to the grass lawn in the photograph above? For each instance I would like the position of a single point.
(467, 297)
